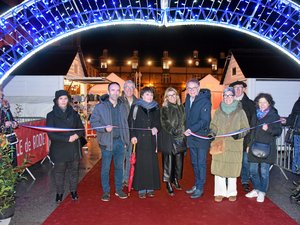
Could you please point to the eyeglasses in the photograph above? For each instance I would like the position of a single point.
(227, 96)
(192, 88)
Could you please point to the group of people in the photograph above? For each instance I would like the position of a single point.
(125, 121)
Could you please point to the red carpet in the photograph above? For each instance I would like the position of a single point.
(163, 209)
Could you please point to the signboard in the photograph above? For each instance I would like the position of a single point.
(33, 144)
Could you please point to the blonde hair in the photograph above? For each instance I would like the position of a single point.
(169, 89)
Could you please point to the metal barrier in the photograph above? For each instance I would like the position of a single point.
(21, 120)
(284, 152)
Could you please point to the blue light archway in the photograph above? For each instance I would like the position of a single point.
(34, 24)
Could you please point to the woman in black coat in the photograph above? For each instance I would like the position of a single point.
(172, 122)
(266, 132)
(65, 149)
(145, 114)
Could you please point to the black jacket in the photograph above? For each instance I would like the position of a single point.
(198, 118)
(249, 107)
(291, 119)
(267, 137)
(61, 150)
(172, 119)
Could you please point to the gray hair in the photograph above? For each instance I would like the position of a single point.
(128, 82)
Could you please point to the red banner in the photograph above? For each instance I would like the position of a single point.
(33, 144)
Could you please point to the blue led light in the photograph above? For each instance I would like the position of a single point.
(34, 24)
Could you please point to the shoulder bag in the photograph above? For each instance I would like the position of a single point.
(260, 150)
(217, 146)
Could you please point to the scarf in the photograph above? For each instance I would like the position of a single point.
(146, 105)
(261, 114)
(229, 108)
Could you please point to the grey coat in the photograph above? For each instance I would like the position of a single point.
(102, 116)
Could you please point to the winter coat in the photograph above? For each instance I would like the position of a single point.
(172, 119)
(146, 174)
(291, 119)
(198, 118)
(249, 107)
(267, 137)
(61, 150)
(229, 163)
(102, 116)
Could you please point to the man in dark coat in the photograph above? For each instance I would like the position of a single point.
(128, 98)
(113, 142)
(249, 108)
(198, 117)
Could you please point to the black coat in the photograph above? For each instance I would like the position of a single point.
(61, 150)
(172, 122)
(146, 174)
(267, 137)
(291, 119)
(198, 118)
(249, 107)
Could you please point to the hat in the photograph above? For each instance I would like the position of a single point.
(229, 89)
(60, 93)
(238, 82)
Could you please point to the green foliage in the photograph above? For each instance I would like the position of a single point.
(9, 175)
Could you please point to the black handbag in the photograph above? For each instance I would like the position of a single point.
(289, 136)
(260, 150)
(82, 141)
(179, 146)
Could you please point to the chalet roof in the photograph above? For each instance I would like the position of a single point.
(258, 63)
(53, 60)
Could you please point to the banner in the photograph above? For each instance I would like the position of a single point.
(33, 144)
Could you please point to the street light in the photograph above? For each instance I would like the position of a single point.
(149, 63)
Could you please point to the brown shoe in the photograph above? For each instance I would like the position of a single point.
(232, 198)
(218, 198)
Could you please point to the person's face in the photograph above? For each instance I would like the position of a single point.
(228, 97)
(193, 89)
(263, 104)
(62, 101)
(239, 90)
(128, 90)
(1, 95)
(114, 92)
(171, 96)
(147, 97)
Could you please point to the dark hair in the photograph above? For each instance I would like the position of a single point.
(147, 89)
(193, 80)
(112, 84)
(267, 96)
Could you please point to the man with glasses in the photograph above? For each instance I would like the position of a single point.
(198, 117)
(249, 108)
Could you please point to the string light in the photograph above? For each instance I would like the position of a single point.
(32, 25)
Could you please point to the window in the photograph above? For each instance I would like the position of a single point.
(233, 71)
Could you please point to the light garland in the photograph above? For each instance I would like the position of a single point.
(33, 24)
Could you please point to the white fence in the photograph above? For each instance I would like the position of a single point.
(284, 152)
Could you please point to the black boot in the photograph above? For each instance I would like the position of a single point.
(170, 189)
(74, 195)
(177, 185)
(59, 198)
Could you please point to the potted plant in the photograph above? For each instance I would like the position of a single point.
(9, 175)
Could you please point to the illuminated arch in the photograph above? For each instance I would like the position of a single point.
(34, 24)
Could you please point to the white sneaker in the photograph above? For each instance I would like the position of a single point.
(261, 196)
(252, 194)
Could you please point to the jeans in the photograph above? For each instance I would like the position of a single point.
(117, 154)
(60, 172)
(296, 158)
(127, 156)
(198, 157)
(259, 174)
(245, 173)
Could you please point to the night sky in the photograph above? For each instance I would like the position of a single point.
(151, 41)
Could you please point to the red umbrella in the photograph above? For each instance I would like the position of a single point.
(131, 174)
